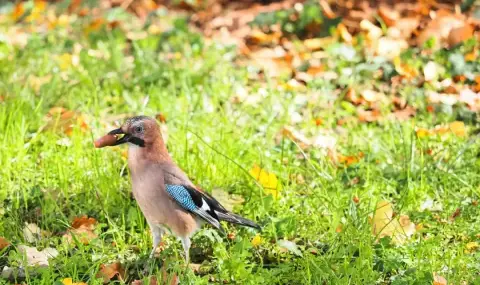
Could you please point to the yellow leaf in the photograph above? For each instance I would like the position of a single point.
(256, 240)
(422, 133)
(69, 281)
(384, 224)
(65, 61)
(458, 128)
(268, 180)
(471, 247)
(38, 7)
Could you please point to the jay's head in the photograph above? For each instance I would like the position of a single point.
(139, 131)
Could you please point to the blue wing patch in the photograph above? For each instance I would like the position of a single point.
(183, 197)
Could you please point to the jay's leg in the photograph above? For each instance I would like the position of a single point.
(157, 233)
(186, 247)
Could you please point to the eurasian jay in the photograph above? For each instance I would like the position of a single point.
(167, 198)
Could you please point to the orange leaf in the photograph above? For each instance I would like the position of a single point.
(62, 120)
(109, 271)
(18, 11)
(3, 243)
(459, 35)
(82, 229)
(439, 280)
(83, 221)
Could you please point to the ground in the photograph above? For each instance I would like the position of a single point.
(303, 160)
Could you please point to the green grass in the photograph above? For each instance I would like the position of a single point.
(216, 141)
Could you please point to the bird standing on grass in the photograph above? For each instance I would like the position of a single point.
(166, 196)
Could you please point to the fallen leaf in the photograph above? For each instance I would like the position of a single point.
(66, 61)
(439, 29)
(18, 11)
(404, 69)
(256, 240)
(35, 257)
(405, 113)
(430, 71)
(226, 199)
(289, 246)
(459, 35)
(368, 116)
(373, 32)
(109, 271)
(458, 128)
(268, 180)
(344, 34)
(82, 230)
(456, 214)
(439, 280)
(3, 243)
(257, 37)
(37, 82)
(62, 120)
(31, 232)
(318, 43)
(384, 224)
(84, 221)
(388, 15)
(389, 47)
(405, 27)
(69, 281)
(471, 247)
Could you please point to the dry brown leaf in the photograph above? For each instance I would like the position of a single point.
(405, 27)
(3, 243)
(109, 271)
(84, 221)
(257, 37)
(326, 9)
(62, 120)
(459, 35)
(439, 28)
(368, 116)
(404, 114)
(82, 230)
(388, 15)
(439, 280)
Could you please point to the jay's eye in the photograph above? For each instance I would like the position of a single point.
(139, 129)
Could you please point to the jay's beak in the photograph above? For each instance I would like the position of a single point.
(121, 140)
(126, 138)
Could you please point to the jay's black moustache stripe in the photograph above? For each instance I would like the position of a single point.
(137, 141)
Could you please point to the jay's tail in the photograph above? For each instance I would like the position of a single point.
(236, 219)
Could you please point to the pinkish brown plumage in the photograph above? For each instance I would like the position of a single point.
(164, 193)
